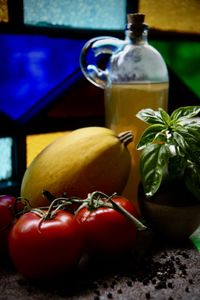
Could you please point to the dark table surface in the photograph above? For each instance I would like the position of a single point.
(155, 269)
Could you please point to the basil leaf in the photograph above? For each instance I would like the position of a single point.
(151, 134)
(153, 162)
(186, 112)
(192, 180)
(176, 167)
(180, 140)
(171, 148)
(150, 116)
(165, 117)
(193, 155)
(193, 132)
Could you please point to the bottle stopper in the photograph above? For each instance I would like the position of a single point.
(136, 23)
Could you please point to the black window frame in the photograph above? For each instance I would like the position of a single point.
(15, 25)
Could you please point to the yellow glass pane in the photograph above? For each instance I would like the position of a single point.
(3, 11)
(37, 142)
(172, 15)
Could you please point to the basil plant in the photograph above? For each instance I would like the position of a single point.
(170, 148)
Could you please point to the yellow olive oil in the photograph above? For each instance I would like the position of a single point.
(122, 102)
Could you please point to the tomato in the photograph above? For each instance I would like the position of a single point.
(43, 248)
(106, 230)
(7, 215)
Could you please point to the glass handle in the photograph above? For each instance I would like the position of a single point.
(93, 53)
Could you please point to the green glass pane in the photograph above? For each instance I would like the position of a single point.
(183, 57)
(88, 14)
(195, 238)
(5, 158)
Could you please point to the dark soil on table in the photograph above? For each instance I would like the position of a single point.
(155, 270)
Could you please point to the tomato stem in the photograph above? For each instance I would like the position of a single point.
(140, 226)
(93, 201)
(39, 212)
(26, 206)
(99, 199)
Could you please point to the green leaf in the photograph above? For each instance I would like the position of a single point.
(193, 132)
(171, 146)
(150, 116)
(165, 117)
(191, 135)
(180, 141)
(176, 167)
(153, 162)
(192, 180)
(151, 134)
(186, 112)
(193, 156)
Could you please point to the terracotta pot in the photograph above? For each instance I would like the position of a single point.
(172, 212)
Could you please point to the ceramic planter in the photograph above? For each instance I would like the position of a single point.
(172, 212)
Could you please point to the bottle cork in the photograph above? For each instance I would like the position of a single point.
(136, 23)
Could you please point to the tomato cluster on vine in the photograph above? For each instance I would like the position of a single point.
(49, 241)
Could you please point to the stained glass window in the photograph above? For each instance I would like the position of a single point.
(183, 57)
(179, 16)
(3, 11)
(6, 144)
(90, 14)
(37, 142)
(33, 66)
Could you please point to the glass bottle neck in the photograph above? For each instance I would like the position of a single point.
(137, 39)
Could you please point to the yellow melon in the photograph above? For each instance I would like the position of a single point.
(86, 160)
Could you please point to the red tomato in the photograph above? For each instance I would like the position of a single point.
(45, 248)
(7, 215)
(106, 230)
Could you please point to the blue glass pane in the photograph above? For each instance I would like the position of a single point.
(101, 14)
(32, 67)
(6, 158)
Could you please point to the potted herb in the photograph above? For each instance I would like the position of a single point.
(169, 193)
